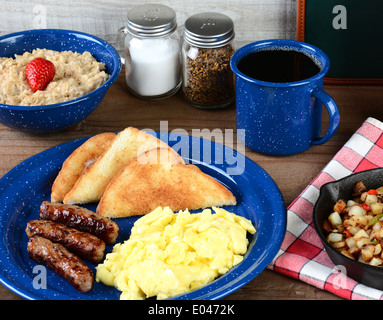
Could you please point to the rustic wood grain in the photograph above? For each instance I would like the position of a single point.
(120, 109)
(253, 19)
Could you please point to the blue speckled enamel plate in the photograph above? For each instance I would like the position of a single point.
(24, 188)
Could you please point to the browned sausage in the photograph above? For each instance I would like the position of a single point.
(83, 244)
(66, 264)
(81, 219)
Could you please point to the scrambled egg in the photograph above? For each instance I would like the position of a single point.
(169, 254)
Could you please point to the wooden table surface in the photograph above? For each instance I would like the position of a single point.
(120, 109)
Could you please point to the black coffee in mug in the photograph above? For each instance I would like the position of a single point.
(278, 65)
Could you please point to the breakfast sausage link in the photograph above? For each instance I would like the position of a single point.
(81, 219)
(66, 264)
(83, 244)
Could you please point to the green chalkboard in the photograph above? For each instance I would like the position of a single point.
(350, 32)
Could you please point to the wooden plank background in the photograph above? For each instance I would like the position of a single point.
(253, 19)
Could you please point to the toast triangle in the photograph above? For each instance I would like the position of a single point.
(140, 188)
(78, 163)
(128, 144)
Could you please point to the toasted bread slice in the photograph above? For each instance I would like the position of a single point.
(79, 162)
(159, 156)
(128, 144)
(140, 188)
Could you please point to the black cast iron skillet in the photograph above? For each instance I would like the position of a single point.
(330, 193)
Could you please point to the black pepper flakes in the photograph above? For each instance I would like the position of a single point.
(208, 79)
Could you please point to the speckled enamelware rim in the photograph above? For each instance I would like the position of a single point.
(24, 188)
(113, 76)
(316, 53)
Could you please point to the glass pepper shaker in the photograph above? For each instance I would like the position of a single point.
(151, 51)
(208, 45)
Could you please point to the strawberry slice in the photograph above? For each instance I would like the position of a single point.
(39, 72)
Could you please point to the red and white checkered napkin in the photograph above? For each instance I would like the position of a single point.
(302, 255)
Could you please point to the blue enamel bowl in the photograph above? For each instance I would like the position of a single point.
(57, 117)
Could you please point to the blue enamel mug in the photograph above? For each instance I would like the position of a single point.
(283, 118)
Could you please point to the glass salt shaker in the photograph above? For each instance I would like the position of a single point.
(208, 45)
(151, 51)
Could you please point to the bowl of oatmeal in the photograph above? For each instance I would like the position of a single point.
(85, 67)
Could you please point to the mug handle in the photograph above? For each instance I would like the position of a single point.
(333, 112)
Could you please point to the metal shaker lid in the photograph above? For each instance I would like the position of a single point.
(151, 20)
(209, 30)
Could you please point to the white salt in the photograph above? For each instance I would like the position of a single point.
(154, 66)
